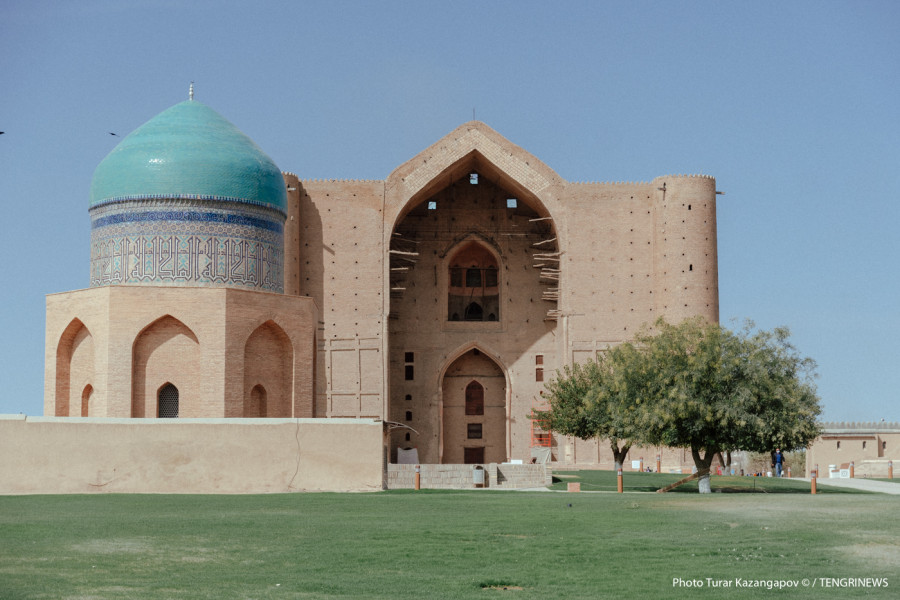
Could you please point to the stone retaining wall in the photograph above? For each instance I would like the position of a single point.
(74, 455)
(460, 477)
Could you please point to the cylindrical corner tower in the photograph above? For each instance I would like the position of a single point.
(686, 262)
(188, 200)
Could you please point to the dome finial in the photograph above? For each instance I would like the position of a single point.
(191, 92)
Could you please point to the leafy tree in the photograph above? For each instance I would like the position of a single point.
(584, 403)
(712, 390)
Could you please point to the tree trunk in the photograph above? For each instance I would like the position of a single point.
(703, 485)
(703, 463)
(619, 454)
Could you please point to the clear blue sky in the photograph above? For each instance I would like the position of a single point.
(794, 107)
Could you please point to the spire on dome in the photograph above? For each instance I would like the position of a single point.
(191, 92)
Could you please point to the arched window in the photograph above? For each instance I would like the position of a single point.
(474, 399)
(473, 278)
(474, 285)
(168, 402)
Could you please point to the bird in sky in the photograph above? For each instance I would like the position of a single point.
(111, 133)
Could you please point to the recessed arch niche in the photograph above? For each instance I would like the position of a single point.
(501, 222)
(268, 373)
(165, 352)
(473, 409)
(74, 369)
(87, 402)
(473, 288)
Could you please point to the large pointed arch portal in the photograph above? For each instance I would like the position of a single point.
(473, 262)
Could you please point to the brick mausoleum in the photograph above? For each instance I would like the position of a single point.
(438, 299)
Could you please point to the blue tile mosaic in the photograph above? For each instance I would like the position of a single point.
(187, 215)
(176, 244)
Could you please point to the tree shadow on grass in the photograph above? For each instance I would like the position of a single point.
(605, 481)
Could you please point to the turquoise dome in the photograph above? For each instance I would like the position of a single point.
(189, 151)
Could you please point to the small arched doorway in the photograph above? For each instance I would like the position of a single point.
(474, 416)
(167, 401)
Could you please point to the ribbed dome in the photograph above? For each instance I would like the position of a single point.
(189, 151)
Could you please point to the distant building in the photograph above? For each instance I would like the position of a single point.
(439, 299)
(869, 446)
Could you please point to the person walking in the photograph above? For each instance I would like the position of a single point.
(778, 459)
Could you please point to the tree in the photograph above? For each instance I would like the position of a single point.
(585, 403)
(712, 390)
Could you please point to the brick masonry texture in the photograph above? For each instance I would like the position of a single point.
(582, 266)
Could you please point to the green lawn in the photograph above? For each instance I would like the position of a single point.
(605, 481)
(441, 545)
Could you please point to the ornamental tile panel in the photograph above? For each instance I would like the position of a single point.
(205, 246)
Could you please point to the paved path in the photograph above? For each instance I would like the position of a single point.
(869, 485)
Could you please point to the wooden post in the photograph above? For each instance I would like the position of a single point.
(658, 467)
(642, 465)
(691, 477)
(418, 477)
(619, 485)
(812, 482)
(852, 465)
(789, 472)
(890, 469)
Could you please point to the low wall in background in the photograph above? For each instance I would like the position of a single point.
(459, 477)
(66, 455)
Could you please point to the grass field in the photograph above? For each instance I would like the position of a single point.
(442, 545)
